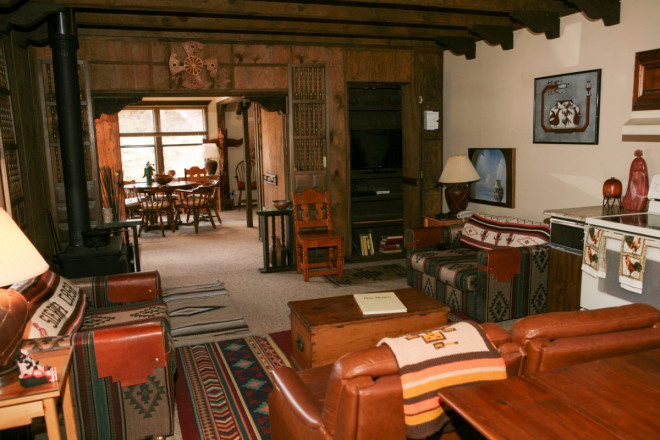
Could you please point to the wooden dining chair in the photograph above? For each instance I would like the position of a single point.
(195, 174)
(241, 179)
(131, 201)
(213, 201)
(195, 201)
(156, 202)
(313, 227)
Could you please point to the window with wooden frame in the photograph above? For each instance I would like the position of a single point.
(168, 137)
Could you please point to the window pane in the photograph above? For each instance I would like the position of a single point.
(136, 140)
(182, 119)
(178, 158)
(183, 140)
(134, 160)
(136, 121)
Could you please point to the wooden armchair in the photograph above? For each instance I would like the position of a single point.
(313, 228)
(155, 203)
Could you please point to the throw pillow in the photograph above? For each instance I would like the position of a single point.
(55, 305)
(488, 232)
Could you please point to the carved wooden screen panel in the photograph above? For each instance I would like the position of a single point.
(11, 172)
(53, 152)
(308, 122)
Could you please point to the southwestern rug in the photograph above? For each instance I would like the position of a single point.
(222, 388)
(362, 275)
(202, 313)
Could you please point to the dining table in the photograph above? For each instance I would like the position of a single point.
(174, 185)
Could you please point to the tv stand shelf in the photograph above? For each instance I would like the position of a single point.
(376, 215)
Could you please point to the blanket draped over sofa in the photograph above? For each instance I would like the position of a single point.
(456, 354)
(490, 268)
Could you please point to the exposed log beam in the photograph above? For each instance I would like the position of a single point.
(495, 35)
(211, 24)
(539, 21)
(608, 10)
(459, 46)
(27, 16)
(298, 11)
(251, 38)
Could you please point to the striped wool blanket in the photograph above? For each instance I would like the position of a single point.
(456, 354)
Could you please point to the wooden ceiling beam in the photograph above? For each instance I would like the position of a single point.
(495, 35)
(539, 21)
(248, 38)
(459, 46)
(297, 11)
(208, 24)
(608, 10)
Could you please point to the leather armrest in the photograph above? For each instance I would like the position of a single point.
(300, 400)
(134, 287)
(128, 354)
(430, 237)
(496, 334)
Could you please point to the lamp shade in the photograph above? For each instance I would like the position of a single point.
(19, 259)
(458, 169)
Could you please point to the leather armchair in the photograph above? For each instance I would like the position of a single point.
(360, 397)
(123, 366)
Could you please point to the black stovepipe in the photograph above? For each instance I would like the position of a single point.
(64, 44)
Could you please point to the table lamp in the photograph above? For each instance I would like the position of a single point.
(456, 177)
(19, 260)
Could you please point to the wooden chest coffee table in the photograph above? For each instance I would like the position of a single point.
(322, 330)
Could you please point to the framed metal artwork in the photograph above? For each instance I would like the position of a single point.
(496, 168)
(566, 108)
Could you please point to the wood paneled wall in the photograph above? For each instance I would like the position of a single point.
(130, 65)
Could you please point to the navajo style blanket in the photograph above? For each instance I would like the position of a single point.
(456, 354)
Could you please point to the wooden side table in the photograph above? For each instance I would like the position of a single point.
(19, 405)
(432, 221)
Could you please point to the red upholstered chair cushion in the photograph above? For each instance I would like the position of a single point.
(488, 232)
(55, 305)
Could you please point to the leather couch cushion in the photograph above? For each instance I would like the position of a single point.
(55, 305)
(488, 232)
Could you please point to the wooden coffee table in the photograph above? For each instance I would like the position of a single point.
(322, 330)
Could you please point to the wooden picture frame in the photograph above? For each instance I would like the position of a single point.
(496, 168)
(567, 107)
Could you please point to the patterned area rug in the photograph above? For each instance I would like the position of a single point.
(368, 274)
(202, 313)
(222, 388)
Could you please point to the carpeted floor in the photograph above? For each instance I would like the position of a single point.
(370, 274)
(223, 387)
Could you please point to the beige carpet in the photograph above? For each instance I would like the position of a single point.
(233, 255)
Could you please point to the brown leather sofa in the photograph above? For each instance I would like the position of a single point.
(359, 396)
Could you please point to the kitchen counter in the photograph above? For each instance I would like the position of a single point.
(581, 214)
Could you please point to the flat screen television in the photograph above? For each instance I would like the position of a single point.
(376, 149)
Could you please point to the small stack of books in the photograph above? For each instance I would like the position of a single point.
(366, 244)
(390, 244)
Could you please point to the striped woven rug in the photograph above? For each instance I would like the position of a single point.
(202, 313)
(222, 388)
